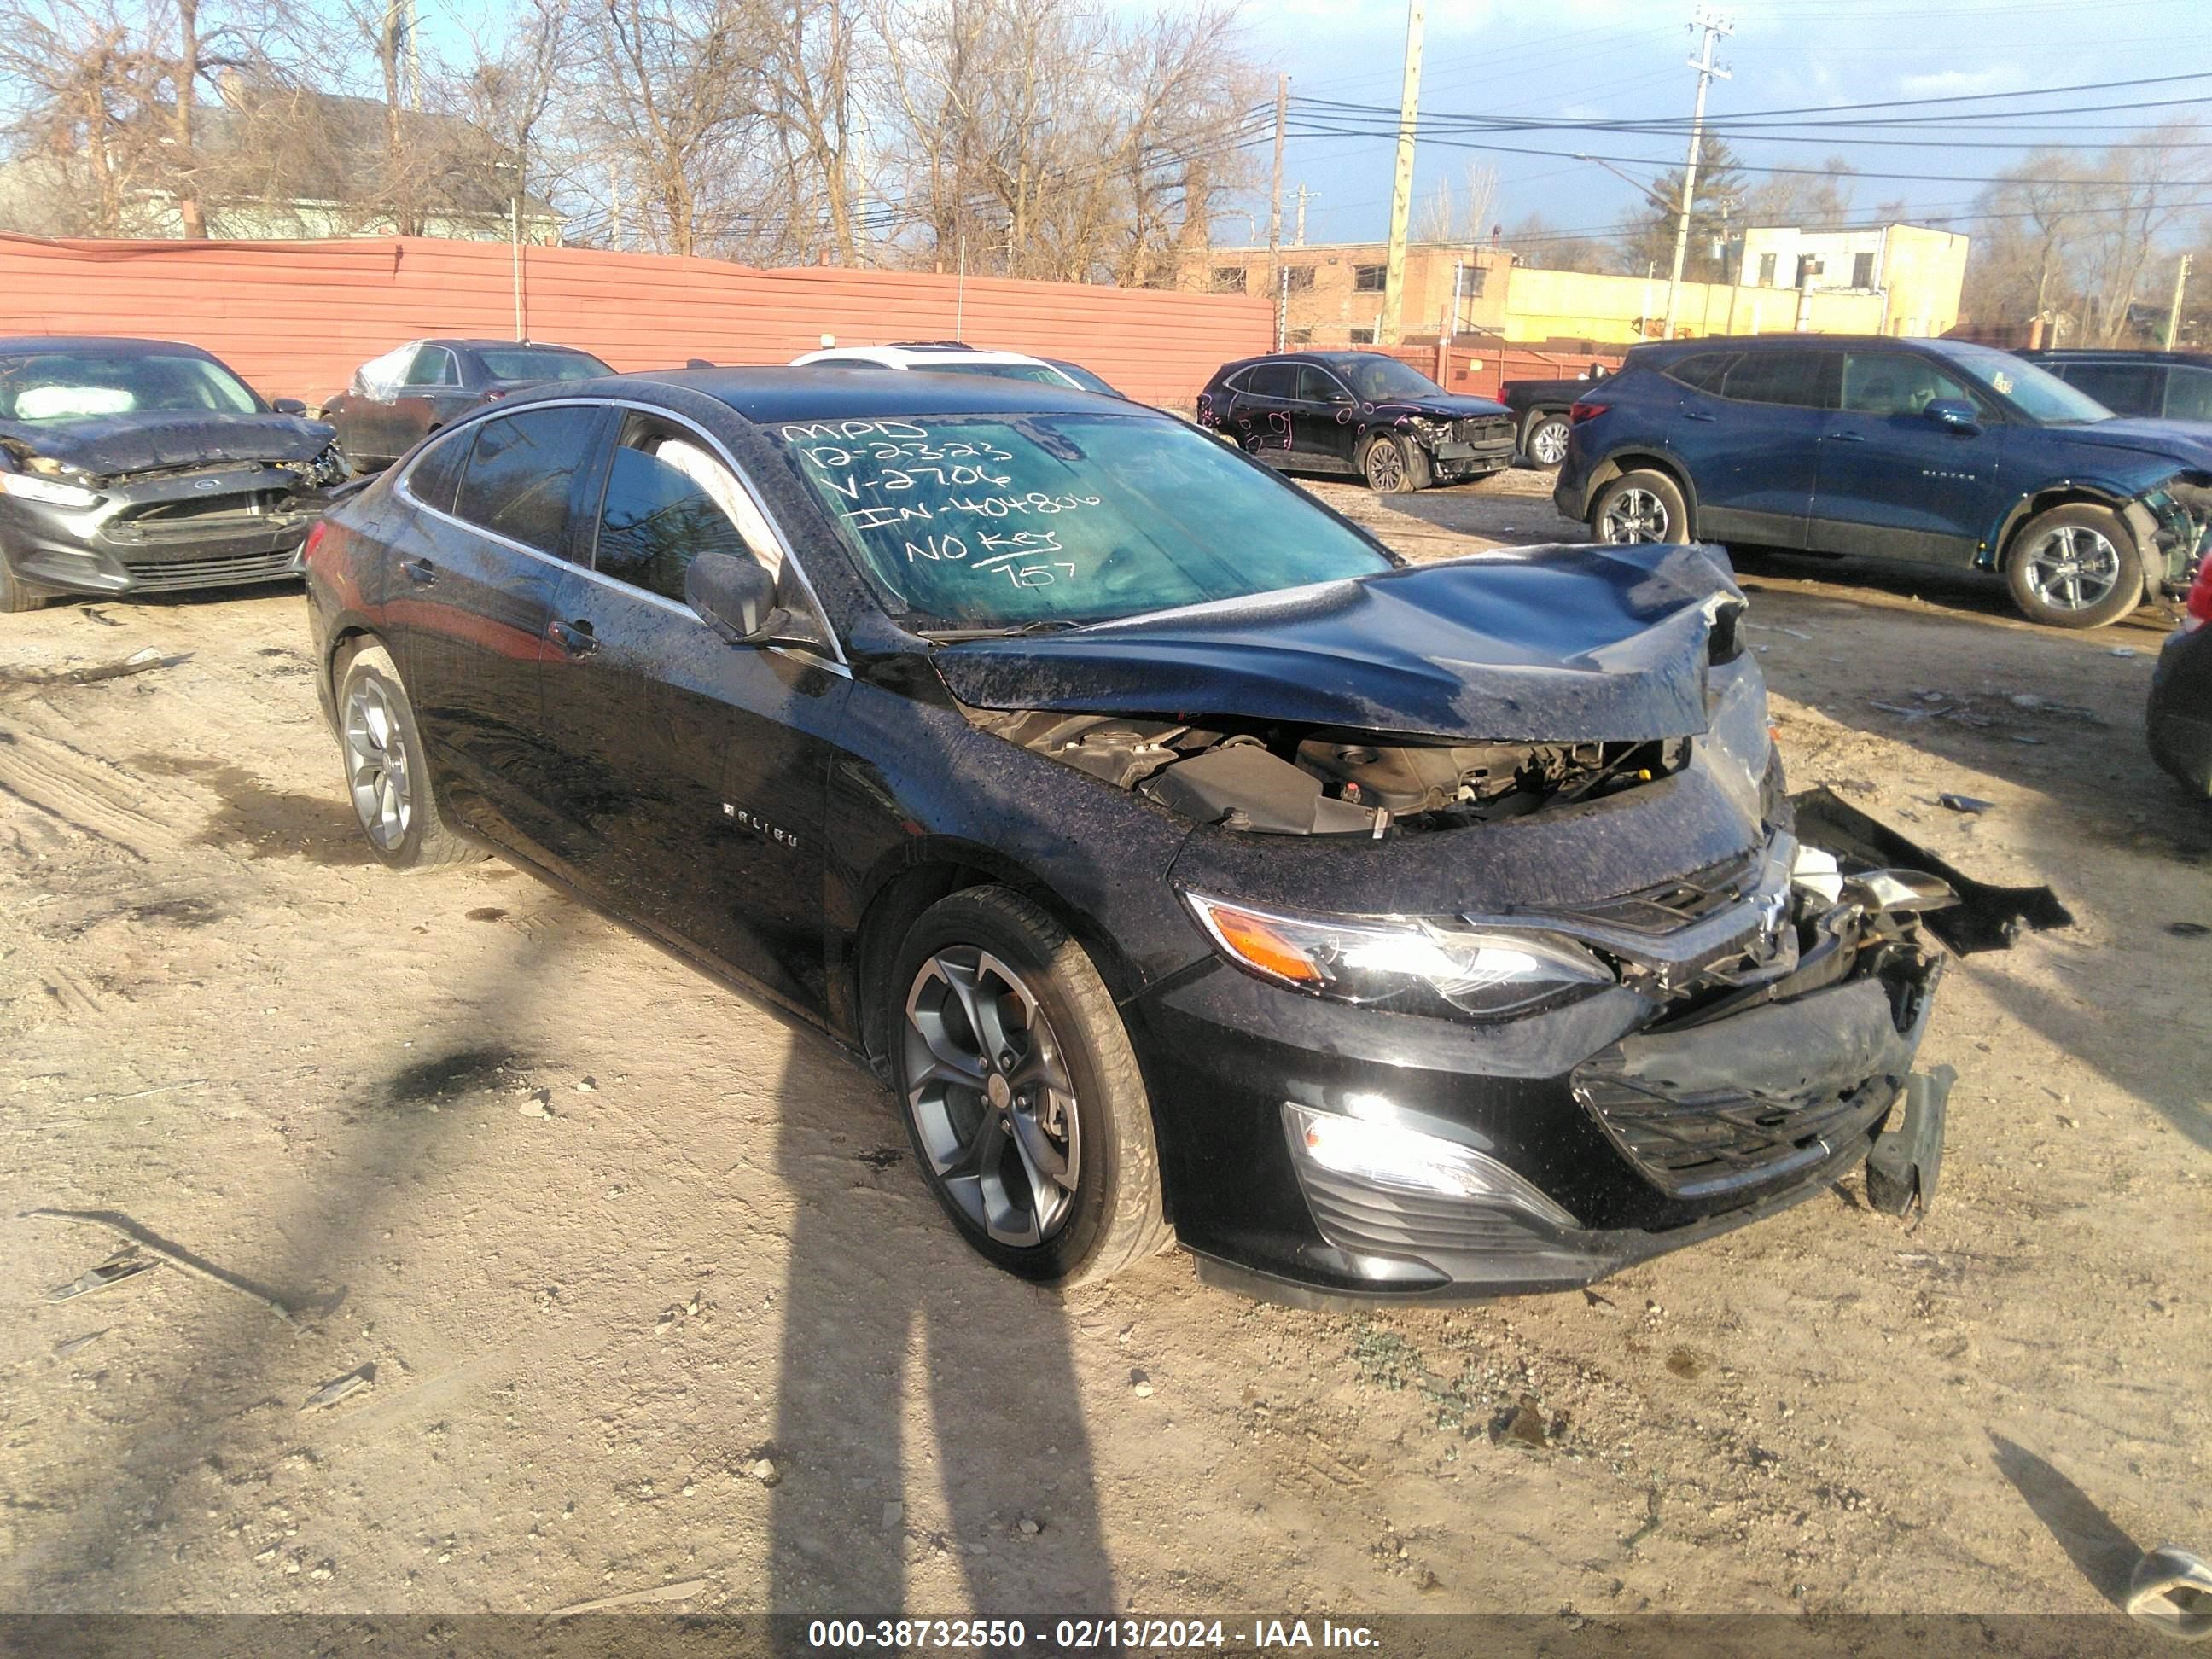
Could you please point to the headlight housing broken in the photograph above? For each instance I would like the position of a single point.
(1405, 964)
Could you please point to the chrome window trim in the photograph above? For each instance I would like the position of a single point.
(836, 659)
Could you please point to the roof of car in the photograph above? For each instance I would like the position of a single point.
(2112, 353)
(924, 351)
(94, 341)
(768, 395)
(502, 345)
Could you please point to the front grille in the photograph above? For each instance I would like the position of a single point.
(1484, 430)
(1667, 905)
(1697, 1145)
(174, 573)
(1367, 1220)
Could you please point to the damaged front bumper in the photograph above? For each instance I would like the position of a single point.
(1752, 1053)
(208, 528)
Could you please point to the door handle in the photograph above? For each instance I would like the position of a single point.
(1844, 437)
(421, 572)
(1693, 415)
(574, 637)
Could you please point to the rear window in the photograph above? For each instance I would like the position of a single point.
(518, 479)
(537, 363)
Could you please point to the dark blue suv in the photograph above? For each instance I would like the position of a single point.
(1934, 451)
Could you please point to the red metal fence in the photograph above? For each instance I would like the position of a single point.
(296, 318)
(1478, 368)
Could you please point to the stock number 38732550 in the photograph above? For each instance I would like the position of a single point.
(1068, 1635)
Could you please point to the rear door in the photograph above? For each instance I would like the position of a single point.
(429, 397)
(1261, 407)
(1321, 426)
(471, 604)
(1753, 444)
(693, 771)
(1894, 484)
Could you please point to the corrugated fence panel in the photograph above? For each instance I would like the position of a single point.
(297, 317)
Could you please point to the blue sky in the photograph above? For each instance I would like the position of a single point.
(1627, 58)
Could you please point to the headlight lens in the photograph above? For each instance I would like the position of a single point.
(52, 491)
(1409, 965)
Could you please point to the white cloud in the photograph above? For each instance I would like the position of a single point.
(1957, 84)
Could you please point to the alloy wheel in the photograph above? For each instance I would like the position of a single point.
(1386, 467)
(376, 765)
(2072, 567)
(1635, 515)
(1547, 444)
(991, 1096)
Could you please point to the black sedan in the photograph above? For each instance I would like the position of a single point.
(397, 400)
(144, 466)
(1188, 864)
(1357, 412)
(2179, 721)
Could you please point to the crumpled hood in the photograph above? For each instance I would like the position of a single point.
(1448, 407)
(1523, 645)
(2160, 439)
(106, 445)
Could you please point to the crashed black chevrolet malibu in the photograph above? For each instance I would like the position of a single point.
(145, 466)
(1188, 865)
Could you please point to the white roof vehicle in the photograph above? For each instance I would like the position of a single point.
(946, 357)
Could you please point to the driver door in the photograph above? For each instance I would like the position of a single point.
(1892, 483)
(1322, 430)
(694, 771)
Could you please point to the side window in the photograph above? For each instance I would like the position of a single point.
(1776, 377)
(1272, 380)
(668, 501)
(436, 472)
(518, 479)
(1891, 383)
(432, 365)
(1705, 371)
(2188, 394)
(844, 362)
(2124, 388)
(1318, 386)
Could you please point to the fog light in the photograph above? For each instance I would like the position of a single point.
(1389, 1156)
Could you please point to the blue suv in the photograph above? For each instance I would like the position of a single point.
(1934, 451)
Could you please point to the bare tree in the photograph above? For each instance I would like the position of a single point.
(1458, 215)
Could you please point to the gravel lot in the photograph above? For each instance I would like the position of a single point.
(654, 1299)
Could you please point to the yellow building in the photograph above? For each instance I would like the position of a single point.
(1897, 280)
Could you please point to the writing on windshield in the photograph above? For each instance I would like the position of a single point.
(1001, 520)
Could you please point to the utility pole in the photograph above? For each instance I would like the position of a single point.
(1275, 211)
(2173, 317)
(1401, 189)
(1303, 193)
(1715, 26)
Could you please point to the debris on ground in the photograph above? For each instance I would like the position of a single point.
(1141, 1385)
(339, 1388)
(765, 1470)
(137, 1239)
(2171, 1590)
(124, 1264)
(682, 1591)
(64, 1349)
(2189, 929)
(136, 663)
(1965, 803)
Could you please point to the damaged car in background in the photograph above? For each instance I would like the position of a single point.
(1191, 868)
(144, 466)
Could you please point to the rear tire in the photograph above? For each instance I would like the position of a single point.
(387, 773)
(1544, 440)
(1394, 464)
(1029, 1118)
(2074, 567)
(1639, 507)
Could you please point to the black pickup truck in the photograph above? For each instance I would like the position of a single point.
(1540, 414)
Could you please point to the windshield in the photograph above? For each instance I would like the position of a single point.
(525, 363)
(1007, 520)
(75, 386)
(1377, 380)
(1038, 372)
(2036, 392)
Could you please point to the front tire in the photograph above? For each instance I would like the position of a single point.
(1022, 1096)
(387, 776)
(1394, 464)
(2074, 567)
(1639, 507)
(1544, 441)
(13, 597)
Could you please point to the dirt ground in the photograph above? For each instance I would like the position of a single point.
(654, 1299)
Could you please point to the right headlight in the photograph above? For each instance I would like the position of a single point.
(1407, 964)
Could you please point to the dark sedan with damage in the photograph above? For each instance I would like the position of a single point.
(1188, 865)
(1359, 412)
(397, 400)
(144, 466)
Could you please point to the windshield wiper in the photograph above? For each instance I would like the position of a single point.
(954, 636)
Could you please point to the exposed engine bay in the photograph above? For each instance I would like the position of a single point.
(1273, 780)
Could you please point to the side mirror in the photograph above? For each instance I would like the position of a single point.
(734, 596)
(1957, 415)
(288, 405)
